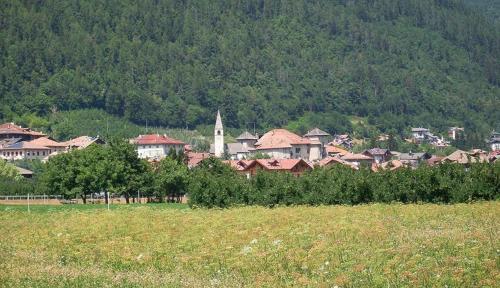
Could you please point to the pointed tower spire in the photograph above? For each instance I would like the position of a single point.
(218, 137)
(218, 122)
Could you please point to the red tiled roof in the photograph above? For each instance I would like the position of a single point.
(239, 165)
(195, 158)
(80, 142)
(11, 128)
(334, 160)
(434, 160)
(280, 164)
(47, 142)
(280, 138)
(156, 139)
(351, 156)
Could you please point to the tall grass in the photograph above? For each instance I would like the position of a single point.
(362, 246)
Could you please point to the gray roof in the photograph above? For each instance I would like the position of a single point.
(218, 122)
(9, 141)
(494, 140)
(414, 156)
(235, 148)
(316, 132)
(23, 171)
(377, 151)
(16, 145)
(247, 136)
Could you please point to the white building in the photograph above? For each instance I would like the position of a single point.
(156, 147)
(419, 134)
(24, 151)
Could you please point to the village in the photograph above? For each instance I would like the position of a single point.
(275, 150)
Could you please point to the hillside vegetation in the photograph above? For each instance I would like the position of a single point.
(173, 63)
(490, 8)
(362, 246)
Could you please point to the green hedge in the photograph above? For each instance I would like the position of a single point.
(213, 185)
(9, 186)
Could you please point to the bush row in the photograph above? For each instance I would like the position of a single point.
(215, 185)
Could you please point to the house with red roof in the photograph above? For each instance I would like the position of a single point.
(283, 144)
(82, 142)
(331, 161)
(11, 130)
(251, 167)
(358, 159)
(156, 146)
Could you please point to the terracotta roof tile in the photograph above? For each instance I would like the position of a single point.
(281, 164)
(81, 142)
(47, 142)
(354, 157)
(11, 128)
(153, 139)
(280, 138)
(195, 158)
(334, 160)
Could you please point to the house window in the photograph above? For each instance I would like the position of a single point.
(28, 153)
(37, 153)
(297, 150)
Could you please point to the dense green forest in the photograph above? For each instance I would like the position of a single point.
(491, 8)
(173, 63)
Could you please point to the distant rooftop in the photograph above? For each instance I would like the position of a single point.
(247, 136)
(316, 132)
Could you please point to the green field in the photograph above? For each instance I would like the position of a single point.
(174, 246)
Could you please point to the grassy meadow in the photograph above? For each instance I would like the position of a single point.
(173, 246)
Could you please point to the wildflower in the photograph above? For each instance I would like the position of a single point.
(254, 241)
(277, 242)
(246, 250)
(139, 257)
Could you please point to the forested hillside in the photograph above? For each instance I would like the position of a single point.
(174, 63)
(491, 8)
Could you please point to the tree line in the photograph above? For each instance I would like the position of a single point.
(115, 170)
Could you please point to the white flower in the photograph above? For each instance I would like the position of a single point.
(277, 242)
(246, 250)
(254, 241)
(139, 257)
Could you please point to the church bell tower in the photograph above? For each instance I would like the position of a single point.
(219, 137)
